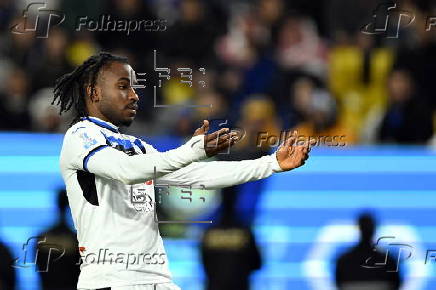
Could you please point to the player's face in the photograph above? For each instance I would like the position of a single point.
(118, 101)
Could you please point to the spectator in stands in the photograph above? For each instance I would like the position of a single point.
(358, 72)
(415, 52)
(13, 102)
(300, 48)
(52, 61)
(315, 114)
(192, 37)
(408, 118)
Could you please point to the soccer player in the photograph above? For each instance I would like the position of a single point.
(110, 176)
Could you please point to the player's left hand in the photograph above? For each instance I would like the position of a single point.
(217, 141)
(291, 155)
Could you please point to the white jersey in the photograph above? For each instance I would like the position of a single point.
(109, 181)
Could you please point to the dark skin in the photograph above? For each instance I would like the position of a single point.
(114, 100)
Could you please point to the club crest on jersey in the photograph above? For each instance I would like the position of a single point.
(87, 141)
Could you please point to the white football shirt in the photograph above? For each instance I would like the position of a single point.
(109, 181)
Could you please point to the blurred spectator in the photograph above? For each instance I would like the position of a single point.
(7, 272)
(417, 54)
(140, 42)
(316, 116)
(345, 18)
(358, 71)
(81, 48)
(271, 15)
(238, 47)
(192, 37)
(300, 48)
(7, 11)
(408, 118)
(351, 275)
(45, 116)
(13, 102)
(258, 115)
(229, 251)
(52, 62)
(61, 274)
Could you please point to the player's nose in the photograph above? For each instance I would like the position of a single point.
(133, 95)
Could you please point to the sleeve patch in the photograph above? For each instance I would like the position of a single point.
(87, 141)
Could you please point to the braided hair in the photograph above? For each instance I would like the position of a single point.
(70, 89)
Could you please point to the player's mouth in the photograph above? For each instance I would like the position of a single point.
(133, 108)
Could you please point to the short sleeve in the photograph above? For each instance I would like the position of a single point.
(80, 144)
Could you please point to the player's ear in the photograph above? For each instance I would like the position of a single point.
(94, 93)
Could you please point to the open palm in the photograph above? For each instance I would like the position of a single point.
(292, 156)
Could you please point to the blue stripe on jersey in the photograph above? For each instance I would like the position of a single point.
(92, 152)
(126, 144)
(138, 143)
(101, 124)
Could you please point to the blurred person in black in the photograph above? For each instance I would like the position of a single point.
(139, 41)
(52, 61)
(14, 113)
(416, 46)
(7, 272)
(408, 119)
(229, 251)
(350, 270)
(191, 38)
(62, 273)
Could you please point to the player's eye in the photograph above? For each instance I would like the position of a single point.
(123, 87)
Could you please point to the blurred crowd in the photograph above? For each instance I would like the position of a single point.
(262, 65)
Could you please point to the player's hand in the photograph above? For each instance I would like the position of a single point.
(292, 156)
(217, 141)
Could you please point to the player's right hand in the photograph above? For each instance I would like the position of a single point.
(217, 141)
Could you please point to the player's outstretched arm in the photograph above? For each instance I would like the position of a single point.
(86, 149)
(219, 174)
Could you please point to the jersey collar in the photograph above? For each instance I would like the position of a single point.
(102, 123)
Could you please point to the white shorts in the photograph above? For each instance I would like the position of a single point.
(160, 286)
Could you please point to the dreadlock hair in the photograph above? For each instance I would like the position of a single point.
(70, 89)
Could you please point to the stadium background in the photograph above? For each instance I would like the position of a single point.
(270, 66)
